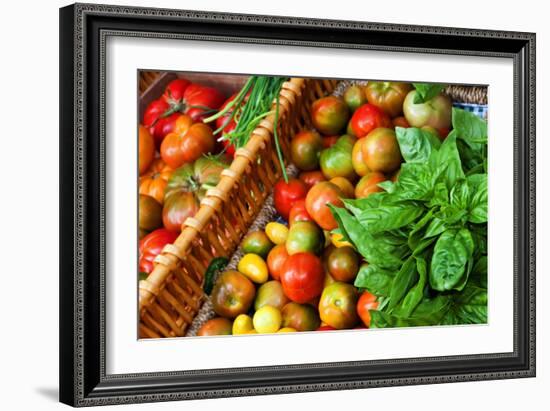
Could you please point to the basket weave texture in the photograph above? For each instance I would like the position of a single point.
(171, 296)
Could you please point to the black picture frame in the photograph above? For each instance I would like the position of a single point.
(83, 29)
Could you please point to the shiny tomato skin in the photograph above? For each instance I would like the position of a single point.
(343, 264)
(302, 277)
(310, 178)
(400, 122)
(216, 326)
(233, 294)
(151, 245)
(337, 306)
(175, 90)
(318, 197)
(177, 208)
(286, 194)
(146, 148)
(366, 302)
(301, 317)
(157, 122)
(368, 184)
(188, 145)
(368, 117)
(329, 115)
(381, 150)
(329, 141)
(298, 212)
(276, 260)
(387, 95)
(305, 148)
(357, 159)
(198, 99)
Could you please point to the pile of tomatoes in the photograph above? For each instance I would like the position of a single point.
(298, 276)
(174, 172)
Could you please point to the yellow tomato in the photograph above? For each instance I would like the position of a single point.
(254, 267)
(337, 241)
(252, 331)
(242, 324)
(287, 330)
(267, 320)
(276, 232)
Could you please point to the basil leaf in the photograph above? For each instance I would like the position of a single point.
(460, 195)
(375, 250)
(416, 182)
(416, 145)
(375, 279)
(469, 127)
(479, 200)
(436, 227)
(428, 312)
(468, 307)
(426, 91)
(440, 195)
(414, 296)
(416, 233)
(389, 217)
(452, 251)
(448, 159)
(402, 282)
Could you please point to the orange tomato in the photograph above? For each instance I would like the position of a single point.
(146, 149)
(188, 143)
(154, 181)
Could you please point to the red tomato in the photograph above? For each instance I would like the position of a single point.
(298, 212)
(368, 117)
(310, 178)
(303, 277)
(180, 96)
(175, 90)
(155, 120)
(151, 245)
(366, 302)
(286, 194)
(318, 197)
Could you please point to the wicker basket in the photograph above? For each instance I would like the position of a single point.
(172, 294)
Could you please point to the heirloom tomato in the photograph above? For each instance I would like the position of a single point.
(270, 293)
(317, 200)
(435, 112)
(368, 117)
(186, 187)
(343, 264)
(267, 320)
(354, 96)
(335, 161)
(233, 294)
(304, 236)
(298, 212)
(192, 99)
(286, 194)
(305, 148)
(146, 146)
(254, 267)
(366, 302)
(387, 95)
(381, 150)
(357, 159)
(257, 242)
(150, 213)
(216, 326)
(151, 245)
(187, 142)
(310, 178)
(302, 277)
(337, 306)
(154, 181)
(329, 115)
(276, 260)
(301, 317)
(345, 185)
(369, 184)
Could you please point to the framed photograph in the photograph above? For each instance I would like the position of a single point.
(258, 205)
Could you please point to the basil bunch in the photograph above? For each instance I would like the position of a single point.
(425, 236)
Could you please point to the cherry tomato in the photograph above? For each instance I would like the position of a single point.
(368, 117)
(286, 194)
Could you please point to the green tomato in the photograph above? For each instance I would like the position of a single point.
(336, 161)
(304, 237)
(258, 243)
